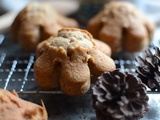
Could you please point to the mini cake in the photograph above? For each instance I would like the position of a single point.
(14, 108)
(37, 22)
(102, 46)
(148, 68)
(122, 26)
(68, 61)
(119, 96)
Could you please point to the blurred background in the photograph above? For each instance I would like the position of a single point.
(9, 8)
(81, 10)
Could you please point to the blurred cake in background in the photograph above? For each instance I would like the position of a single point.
(122, 26)
(35, 23)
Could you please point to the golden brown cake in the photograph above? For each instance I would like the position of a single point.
(122, 26)
(14, 108)
(68, 61)
(35, 23)
(102, 46)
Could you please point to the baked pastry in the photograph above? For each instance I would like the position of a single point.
(68, 61)
(148, 68)
(14, 108)
(119, 96)
(122, 26)
(102, 46)
(37, 22)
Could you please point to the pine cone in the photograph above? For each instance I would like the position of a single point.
(148, 68)
(119, 96)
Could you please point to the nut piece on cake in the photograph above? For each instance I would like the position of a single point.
(37, 22)
(14, 108)
(148, 68)
(122, 26)
(68, 61)
(119, 96)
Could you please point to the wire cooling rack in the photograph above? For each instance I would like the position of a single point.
(16, 68)
(16, 72)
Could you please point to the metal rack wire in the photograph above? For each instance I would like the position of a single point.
(16, 68)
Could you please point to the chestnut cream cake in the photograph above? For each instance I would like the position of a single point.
(68, 61)
(37, 22)
(122, 26)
